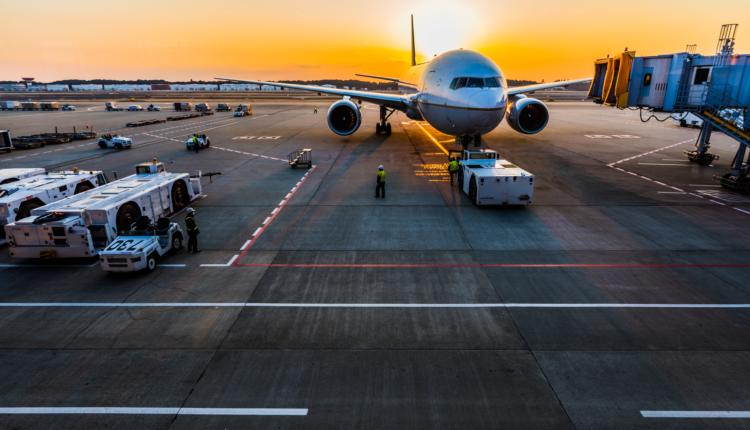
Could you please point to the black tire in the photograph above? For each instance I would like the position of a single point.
(151, 262)
(127, 215)
(683, 123)
(180, 196)
(102, 145)
(377, 128)
(473, 191)
(388, 129)
(118, 145)
(25, 208)
(208, 143)
(83, 187)
(176, 242)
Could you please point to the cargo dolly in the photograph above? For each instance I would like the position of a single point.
(301, 157)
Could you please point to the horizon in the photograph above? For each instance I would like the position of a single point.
(180, 41)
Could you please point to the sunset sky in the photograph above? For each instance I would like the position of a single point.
(303, 39)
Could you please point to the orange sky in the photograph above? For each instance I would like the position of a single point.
(303, 39)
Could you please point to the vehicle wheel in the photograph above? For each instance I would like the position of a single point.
(118, 145)
(473, 191)
(180, 196)
(176, 242)
(151, 262)
(208, 143)
(126, 216)
(683, 123)
(388, 129)
(377, 128)
(102, 145)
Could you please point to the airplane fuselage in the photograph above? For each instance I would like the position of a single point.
(460, 93)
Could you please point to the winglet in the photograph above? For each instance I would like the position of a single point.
(413, 50)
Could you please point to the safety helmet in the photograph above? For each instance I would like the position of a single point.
(381, 167)
(190, 210)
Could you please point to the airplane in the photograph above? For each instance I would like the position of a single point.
(461, 93)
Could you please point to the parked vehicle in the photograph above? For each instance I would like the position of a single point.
(223, 107)
(142, 246)
(135, 108)
(68, 107)
(203, 142)
(183, 106)
(15, 174)
(489, 180)
(153, 108)
(115, 141)
(203, 107)
(82, 225)
(112, 107)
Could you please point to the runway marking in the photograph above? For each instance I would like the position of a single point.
(728, 306)
(227, 264)
(432, 138)
(649, 152)
(664, 164)
(245, 245)
(498, 265)
(111, 410)
(172, 265)
(276, 211)
(696, 414)
(247, 153)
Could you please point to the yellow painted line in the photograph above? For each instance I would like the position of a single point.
(435, 141)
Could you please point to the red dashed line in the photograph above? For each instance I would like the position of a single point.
(266, 222)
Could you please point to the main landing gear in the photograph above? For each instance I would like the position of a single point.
(466, 140)
(384, 127)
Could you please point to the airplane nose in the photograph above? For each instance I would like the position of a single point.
(485, 100)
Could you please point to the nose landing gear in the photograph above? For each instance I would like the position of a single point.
(465, 140)
(384, 127)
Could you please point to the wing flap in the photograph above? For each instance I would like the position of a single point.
(546, 86)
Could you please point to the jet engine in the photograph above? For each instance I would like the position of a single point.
(527, 115)
(344, 117)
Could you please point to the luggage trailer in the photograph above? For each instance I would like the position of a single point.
(84, 224)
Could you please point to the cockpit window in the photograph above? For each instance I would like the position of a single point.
(458, 83)
(493, 82)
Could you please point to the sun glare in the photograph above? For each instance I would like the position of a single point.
(442, 26)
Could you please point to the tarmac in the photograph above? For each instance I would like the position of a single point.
(618, 300)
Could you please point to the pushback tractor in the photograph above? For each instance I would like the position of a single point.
(18, 199)
(489, 180)
(84, 224)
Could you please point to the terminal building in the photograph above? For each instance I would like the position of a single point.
(714, 88)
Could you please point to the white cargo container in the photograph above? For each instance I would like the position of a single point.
(12, 175)
(84, 224)
(489, 180)
(18, 199)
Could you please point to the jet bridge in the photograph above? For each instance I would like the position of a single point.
(715, 88)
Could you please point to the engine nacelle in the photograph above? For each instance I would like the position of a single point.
(527, 115)
(344, 117)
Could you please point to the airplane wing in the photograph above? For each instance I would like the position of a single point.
(395, 101)
(537, 87)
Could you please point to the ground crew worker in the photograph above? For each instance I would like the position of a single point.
(195, 142)
(380, 184)
(192, 230)
(452, 168)
(315, 109)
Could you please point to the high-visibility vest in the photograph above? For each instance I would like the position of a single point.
(381, 176)
(453, 166)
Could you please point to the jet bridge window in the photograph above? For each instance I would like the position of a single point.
(701, 75)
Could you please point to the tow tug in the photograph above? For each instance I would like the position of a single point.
(490, 180)
(115, 141)
(142, 246)
(203, 143)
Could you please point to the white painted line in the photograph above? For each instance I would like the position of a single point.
(233, 259)
(695, 414)
(287, 196)
(109, 410)
(286, 199)
(273, 212)
(371, 305)
(245, 245)
(742, 210)
(662, 164)
(704, 185)
(256, 232)
(214, 265)
(173, 265)
(671, 192)
(717, 202)
(265, 221)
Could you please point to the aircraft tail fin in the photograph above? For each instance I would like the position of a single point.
(413, 50)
